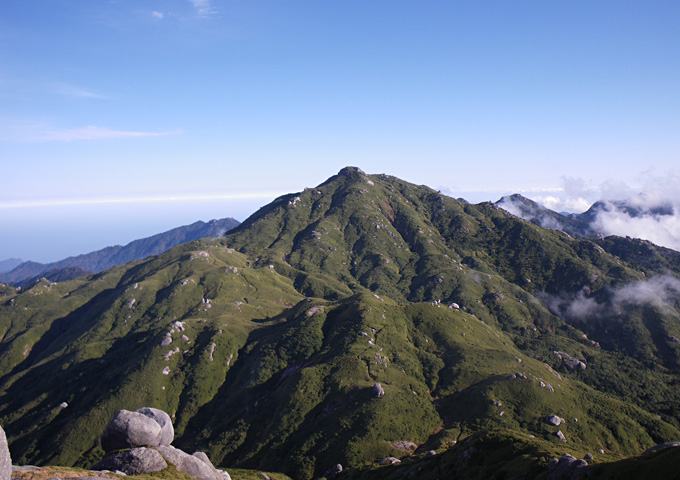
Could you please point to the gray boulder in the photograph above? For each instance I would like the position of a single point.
(378, 390)
(162, 419)
(192, 465)
(130, 430)
(554, 420)
(133, 462)
(5, 460)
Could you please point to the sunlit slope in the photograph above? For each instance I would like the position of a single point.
(477, 325)
(99, 346)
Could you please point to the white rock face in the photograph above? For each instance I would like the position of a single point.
(5, 460)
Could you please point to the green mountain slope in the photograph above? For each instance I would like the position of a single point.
(472, 321)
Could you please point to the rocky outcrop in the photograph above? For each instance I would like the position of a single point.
(146, 427)
(5, 460)
(146, 434)
(163, 419)
(572, 363)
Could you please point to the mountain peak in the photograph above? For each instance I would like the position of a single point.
(350, 171)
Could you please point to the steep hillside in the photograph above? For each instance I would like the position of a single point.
(361, 319)
(108, 257)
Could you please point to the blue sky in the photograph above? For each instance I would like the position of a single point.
(120, 119)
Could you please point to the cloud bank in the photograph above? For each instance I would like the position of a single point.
(642, 217)
(650, 212)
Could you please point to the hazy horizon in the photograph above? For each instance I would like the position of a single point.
(119, 121)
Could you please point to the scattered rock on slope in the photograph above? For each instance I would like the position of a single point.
(554, 420)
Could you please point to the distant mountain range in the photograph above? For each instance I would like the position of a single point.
(589, 223)
(26, 273)
(367, 322)
(9, 264)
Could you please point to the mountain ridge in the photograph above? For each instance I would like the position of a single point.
(99, 260)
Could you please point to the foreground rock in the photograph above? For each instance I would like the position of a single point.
(133, 462)
(146, 427)
(5, 460)
(163, 419)
(197, 465)
(146, 434)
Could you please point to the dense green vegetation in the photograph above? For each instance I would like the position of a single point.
(289, 320)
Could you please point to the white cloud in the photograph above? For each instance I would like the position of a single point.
(97, 133)
(203, 8)
(158, 15)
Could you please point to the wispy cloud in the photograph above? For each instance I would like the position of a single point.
(75, 91)
(661, 292)
(158, 15)
(203, 8)
(97, 133)
(67, 202)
